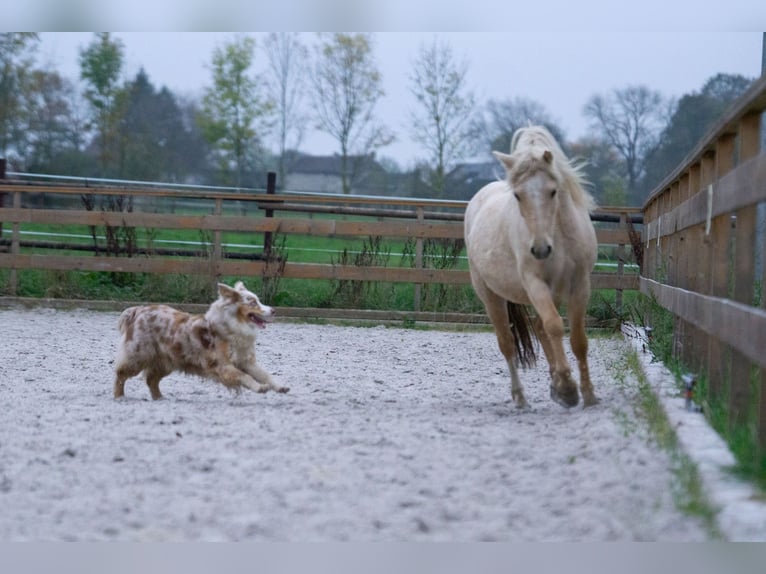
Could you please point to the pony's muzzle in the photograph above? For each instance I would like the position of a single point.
(541, 251)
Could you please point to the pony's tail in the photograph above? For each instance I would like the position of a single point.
(524, 333)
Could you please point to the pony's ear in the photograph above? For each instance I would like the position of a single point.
(227, 292)
(547, 156)
(505, 159)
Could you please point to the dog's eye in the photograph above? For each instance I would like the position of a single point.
(517, 196)
(553, 193)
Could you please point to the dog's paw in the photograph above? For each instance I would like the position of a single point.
(281, 389)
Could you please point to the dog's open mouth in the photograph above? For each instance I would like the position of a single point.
(259, 320)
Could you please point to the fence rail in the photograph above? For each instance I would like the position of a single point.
(705, 262)
(215, 212)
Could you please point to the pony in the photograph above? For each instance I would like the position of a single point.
(530, 241)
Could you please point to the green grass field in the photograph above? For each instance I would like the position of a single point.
(361, 251)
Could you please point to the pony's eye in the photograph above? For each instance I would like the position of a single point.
(553, 193)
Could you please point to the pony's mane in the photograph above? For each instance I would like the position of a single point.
(526, 145)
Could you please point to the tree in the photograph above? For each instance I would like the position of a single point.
(52, 125)
(603, 170)
(693, 117)
(153, 136)
(16, 54)
(193, 148)
(234, 115)
(445, 106)
(286, 84)
(495, 125)
(347, 86)
(100, 66)
(630, 119)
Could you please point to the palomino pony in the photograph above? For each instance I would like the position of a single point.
(530, 241)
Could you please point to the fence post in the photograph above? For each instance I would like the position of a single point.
(13, 282)
(271, 188)
(761, 422)
(13, 279)
(418, 260)
(720, 236)
(217, 248)
(740, 397)
(703, 263)
(621, 263)
(2, 195)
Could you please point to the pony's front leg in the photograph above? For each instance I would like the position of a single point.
(563, 386)
(542, 336)
(579, 341)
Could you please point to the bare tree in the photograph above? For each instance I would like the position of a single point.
(630, 119)
(603, 169)
(347, 86)
(494, 126)
(286, 82)
(441, 121)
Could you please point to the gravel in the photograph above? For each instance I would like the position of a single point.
(387, 434)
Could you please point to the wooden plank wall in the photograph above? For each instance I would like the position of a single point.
(704, 241)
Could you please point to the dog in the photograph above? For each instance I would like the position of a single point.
(219, 345)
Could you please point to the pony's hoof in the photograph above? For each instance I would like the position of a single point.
(590, 400)
(519, 399)
(522, 405)
(567, 399)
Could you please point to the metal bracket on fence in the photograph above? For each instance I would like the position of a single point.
(647, 337)
(690, 382)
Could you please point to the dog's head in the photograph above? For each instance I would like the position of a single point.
(243, 306)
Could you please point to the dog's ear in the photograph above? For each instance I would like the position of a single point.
(227, 292)
(239, 286)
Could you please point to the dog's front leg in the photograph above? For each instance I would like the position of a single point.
(264, 378)
(233, 378)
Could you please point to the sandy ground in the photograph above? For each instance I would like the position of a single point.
(386, 434)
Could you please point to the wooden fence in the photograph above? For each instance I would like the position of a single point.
(253, 212)
(704, 258)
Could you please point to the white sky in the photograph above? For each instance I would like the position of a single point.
(557, 52)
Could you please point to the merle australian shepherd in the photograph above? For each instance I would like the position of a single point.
(219, 345)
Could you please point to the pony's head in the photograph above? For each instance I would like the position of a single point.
(535, 188)
(539, 175)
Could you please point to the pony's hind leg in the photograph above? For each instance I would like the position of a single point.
(497, 311)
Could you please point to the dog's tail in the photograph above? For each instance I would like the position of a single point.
(127, 317)
(523, 331)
